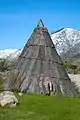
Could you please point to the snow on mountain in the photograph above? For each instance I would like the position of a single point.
(14, 55)
(65, 39)
(10, 53)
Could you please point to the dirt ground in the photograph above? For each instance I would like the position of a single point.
(76, 79)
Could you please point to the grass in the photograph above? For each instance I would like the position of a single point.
(40, 107)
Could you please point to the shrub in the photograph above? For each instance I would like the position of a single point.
(3, 65)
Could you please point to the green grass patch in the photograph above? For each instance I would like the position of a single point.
(40, 107)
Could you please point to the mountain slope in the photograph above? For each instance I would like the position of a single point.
(65, 39)
(14, 55)
(10, 53)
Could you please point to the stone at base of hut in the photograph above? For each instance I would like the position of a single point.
(7, 98)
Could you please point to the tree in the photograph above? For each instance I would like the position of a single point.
(70, 66)
(3, 65)
(73, 67)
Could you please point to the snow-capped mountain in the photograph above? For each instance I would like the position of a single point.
(66, 41)
(14, 55)
(10, 53)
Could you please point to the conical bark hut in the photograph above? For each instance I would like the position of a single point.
(40, 67)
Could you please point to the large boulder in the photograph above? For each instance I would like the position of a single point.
(7, 98)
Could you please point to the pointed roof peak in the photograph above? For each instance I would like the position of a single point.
(40, 23)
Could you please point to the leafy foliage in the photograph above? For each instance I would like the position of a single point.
(4, 65)
(71, 67)
(1, 83)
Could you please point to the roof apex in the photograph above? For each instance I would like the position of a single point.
(40, 23)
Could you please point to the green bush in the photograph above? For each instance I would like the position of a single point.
(4, 65)
(71, 67)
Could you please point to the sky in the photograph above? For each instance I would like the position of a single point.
(18, 18)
